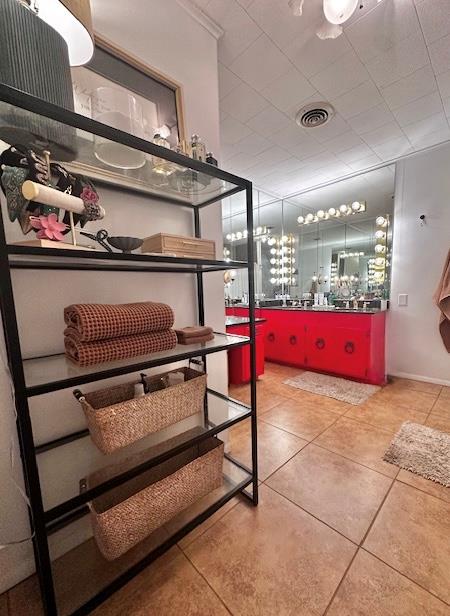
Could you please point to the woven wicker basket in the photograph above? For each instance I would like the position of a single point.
(116, 418)
(126, 515)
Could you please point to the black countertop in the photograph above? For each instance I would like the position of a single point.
(230, 321)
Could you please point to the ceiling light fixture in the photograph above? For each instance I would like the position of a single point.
(339, 11)
(357, 207)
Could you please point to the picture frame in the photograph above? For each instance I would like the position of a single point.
(160, 97)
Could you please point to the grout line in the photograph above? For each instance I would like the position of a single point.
(405, 576)
(340, 583)
(379, 509)
(224, 513)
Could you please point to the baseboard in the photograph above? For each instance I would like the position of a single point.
(419, 377)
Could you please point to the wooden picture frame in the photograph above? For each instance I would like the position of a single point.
(110, 64)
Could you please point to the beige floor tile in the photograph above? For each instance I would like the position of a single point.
(371, 588)
(399, 384)
(323, 402)
(445, 393)
(296, 417)
(199, 530)
(431, 487)
(412, 534)
(408, 398)
(275, 447)
(389, 416)
(285, 372)
(438, 422)
(441, 407)
(25, 599)
(359, 442)
(169, 586)
(268, 395)
(3, 605)
(341, 493)
(272, 559)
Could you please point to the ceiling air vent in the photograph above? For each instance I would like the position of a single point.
(314, 114)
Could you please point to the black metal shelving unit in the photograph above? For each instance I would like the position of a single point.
(96, 579)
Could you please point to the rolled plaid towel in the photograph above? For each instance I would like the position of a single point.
(103, 321)
(101, 351)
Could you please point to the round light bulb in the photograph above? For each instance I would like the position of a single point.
(273, 280)
(380, 249)
(309, 217)
(258, 230)
(245, 233)
(273, 251)
(380, 221)
(228, 236)
(343, 208)
(239, 235)
(320, 214)
(356, 206)
(380, 235)
(300, 220)
(332, 211)
(338, 11)
(380, 261)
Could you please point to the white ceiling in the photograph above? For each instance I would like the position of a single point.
(387, 75)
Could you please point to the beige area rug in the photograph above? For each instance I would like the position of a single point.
(421, 450)
(333, 387)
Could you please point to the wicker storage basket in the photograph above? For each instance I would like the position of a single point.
(116, 418)
(126, 515)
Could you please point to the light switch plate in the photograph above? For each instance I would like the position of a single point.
(403, 299)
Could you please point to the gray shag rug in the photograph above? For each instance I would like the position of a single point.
(421, 450)
(333, 387)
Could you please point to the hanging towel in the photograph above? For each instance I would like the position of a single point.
(92, 322)
(101, 351)
(442, 299)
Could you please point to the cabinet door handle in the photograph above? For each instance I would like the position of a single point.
(320, 343)
(349, 347)
(293, 339)
(271, 337)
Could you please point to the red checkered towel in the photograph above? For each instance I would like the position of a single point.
(103, 321)
(101, 351)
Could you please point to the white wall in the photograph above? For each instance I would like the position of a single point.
(414, 346)
(164, 36)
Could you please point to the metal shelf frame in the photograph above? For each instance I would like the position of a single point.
(45, 523)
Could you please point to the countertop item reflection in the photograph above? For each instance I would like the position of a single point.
(331, 309)
(230, 321)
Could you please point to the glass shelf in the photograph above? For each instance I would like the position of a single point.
(55, 372)
(70, 138)
(94, 575)
(61, 493)
(32, 257)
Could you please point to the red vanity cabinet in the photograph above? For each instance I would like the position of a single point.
(347, 344)
(239, 359)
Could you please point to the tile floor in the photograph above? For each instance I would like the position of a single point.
(338, 532)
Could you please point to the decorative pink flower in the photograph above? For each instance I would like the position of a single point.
(89, 195)
(49, 227)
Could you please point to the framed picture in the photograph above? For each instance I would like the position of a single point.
(118, 89)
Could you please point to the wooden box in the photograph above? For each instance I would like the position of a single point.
(179, 246)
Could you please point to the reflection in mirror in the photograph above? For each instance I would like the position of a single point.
(331, 245)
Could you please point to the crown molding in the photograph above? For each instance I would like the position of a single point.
(202, 18)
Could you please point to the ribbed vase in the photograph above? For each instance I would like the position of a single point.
(34, 58)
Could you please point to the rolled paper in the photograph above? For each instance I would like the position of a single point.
(54, 198)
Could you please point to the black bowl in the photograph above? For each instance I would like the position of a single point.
(125, 244)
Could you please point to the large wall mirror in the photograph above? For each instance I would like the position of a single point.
(335, 241)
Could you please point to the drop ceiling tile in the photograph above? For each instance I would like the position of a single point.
(308, 148)
(355, 154)
(340, 76)
(434, 16)
(365, 163)
(410, 88)
(430, 139)
(254, 144)
(288, 90)
(243, 103)
(272, 156)
(446, 103)
(312, 55)
(335, 127)
(239, 29)
(227, 151)
(372, 119)
(261, 63)
(320, 161)
(400, 60)
(393, 148)
(227, 81)
(358, 100)
(440, 55)
(384, 26)
(388, 132)
(343, 142)
(419, 109)
(239, 163)
(416, 131)
(245, 3)
(269, 121)
(335, 171)
(232, 131)
(291, 137)
(443, 81)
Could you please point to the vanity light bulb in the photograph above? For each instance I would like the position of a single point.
(352, 278)
(273, 261)
(245, 233)
(258, 230)
(380, 249)
(309, 217)
(343, 208)
(356, 206)
(273, 251)
(273, 280)
(332, 211)
(228, 236)
(293, 280)
(300, 220)
(381, 221)
(314, 278)
(380, 235)
(361, 254)
(239, 235)
(380, 261)
(273, 270)
(320, 214)
(292, 250)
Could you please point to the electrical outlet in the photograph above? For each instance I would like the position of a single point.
(403, 299)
